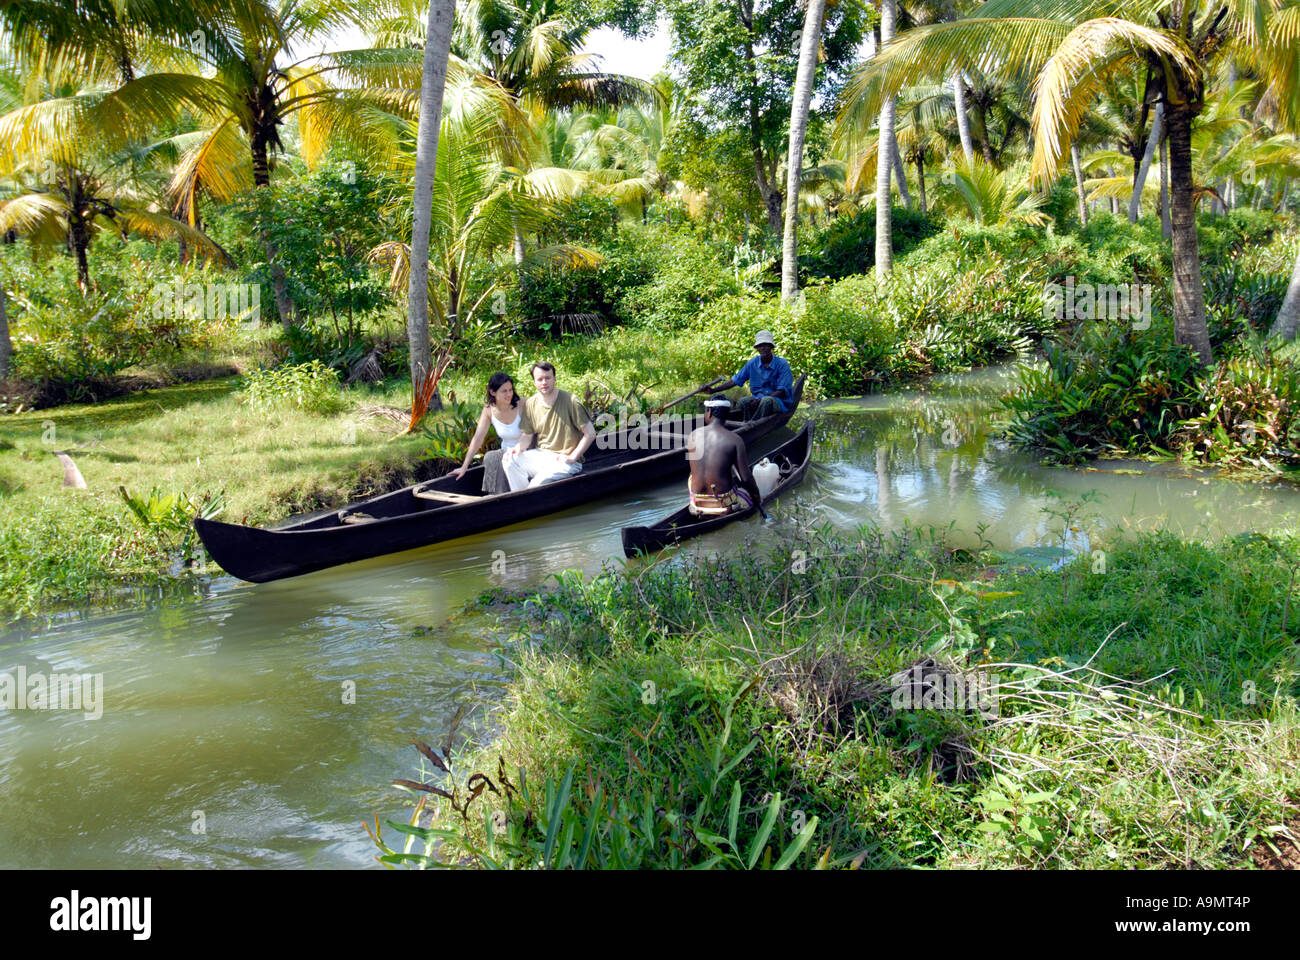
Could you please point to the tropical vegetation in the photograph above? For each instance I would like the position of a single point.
(236, 233)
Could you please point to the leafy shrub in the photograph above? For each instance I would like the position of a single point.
(73, 345)
(850, 336)
(848, 245)
(1221, 236)
(988, 310)
(843, 338)
(1244, 290)
(170, 516)
(307, 386)
(547, 292)
(652, 275)
(1249, 408)
(1105, 387)
(1062, 203)
(587, 219)
(686, 275)
(450, 430)
(1116, 251)
(322, 223)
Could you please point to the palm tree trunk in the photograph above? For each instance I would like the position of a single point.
(6, 345)
(803, 87)
(1078, 181)
(1288, 318)
(1189, 294)
(981, 131)
(1140, 181)
(433, 79)
(920, 176)
(900, 173)
(79, 240)
(963, 121)
(1166, 230)
(284, 304)
(884, 162)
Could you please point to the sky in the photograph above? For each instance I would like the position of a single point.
(638, 58)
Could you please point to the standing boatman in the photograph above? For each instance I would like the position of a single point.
(771, 384)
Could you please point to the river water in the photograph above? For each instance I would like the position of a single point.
(260, 724)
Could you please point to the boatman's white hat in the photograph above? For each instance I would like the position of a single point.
(764, 336)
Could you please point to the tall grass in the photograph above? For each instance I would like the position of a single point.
(1146, 716)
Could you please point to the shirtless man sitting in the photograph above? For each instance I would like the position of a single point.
(713, 451)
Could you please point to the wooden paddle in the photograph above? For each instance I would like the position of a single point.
(687, 396)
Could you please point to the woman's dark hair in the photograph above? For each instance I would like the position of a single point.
(496, 382)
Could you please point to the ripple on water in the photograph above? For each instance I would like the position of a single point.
(232, 705)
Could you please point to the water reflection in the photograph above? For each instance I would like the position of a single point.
(232, 704)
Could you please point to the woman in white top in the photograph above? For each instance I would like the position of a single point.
(510, 420)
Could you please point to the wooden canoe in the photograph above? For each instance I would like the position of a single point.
(792, 457)
(446, 508)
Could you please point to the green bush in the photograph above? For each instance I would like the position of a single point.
(308, 386)
(686, 275)
(849, 337)
(587, 219)
(1248, 410)
(987, 312)
(1105, 388)
(843, 338)
(323, 222)
(71, 345)
(652, 275)
(1222, 236)
(848, 245)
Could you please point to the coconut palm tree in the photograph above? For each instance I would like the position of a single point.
(533, 51)
(884, 207)
(82, 198)
(802, 100)
(1072, 48)
(437, 48)
(477, 200)
(243, 77)
(73, 178)
(102, 41)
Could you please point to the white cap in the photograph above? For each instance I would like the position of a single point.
(764, 336)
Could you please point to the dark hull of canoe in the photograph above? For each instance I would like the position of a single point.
(681, 525)
(401, 521)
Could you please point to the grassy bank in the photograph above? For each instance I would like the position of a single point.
(203, 446)
(742, 712)
(62, 546)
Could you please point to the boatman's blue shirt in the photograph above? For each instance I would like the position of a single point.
(765, 381)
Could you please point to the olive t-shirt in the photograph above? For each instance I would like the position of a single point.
(559, 426)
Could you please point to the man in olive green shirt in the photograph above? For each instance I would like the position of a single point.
(563, 434)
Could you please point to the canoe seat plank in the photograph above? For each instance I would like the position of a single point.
(445, 497)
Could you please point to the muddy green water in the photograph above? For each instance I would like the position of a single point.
(229, 712)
